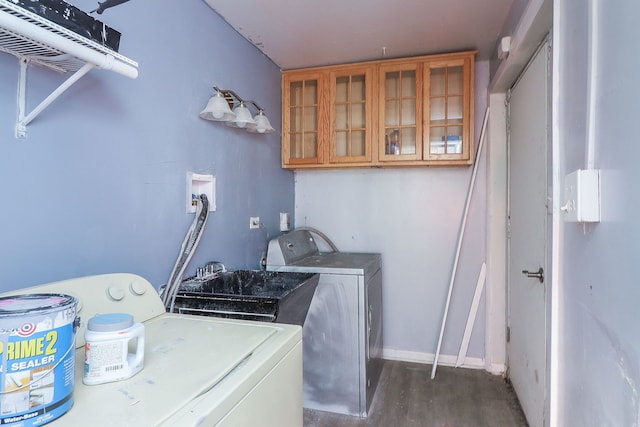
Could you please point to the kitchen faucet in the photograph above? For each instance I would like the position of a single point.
(212, 268)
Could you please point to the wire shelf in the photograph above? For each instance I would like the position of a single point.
(39, 39)
(34, 39)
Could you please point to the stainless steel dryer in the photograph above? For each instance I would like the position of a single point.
(342, 334)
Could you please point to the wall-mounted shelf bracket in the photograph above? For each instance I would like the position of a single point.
(23, 118)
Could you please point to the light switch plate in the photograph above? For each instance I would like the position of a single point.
(581, 202)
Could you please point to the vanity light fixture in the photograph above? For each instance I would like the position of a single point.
(243, 117)
(219, 109)
(262, 124)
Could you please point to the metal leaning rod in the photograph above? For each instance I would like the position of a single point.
(460, 236)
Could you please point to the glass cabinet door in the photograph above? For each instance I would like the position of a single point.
(400, 108)
(447, 111)
(350, 115)
(302, 137)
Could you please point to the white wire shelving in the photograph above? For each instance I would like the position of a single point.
(34, 39)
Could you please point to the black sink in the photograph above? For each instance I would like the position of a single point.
(249, 295)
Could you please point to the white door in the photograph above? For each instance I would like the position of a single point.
(529, 131)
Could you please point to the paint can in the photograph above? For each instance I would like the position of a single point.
(114, 348)
(37, 343)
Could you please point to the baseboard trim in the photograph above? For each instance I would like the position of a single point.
(443, 359)
(498, 369)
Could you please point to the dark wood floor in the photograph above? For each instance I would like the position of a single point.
(407, 397)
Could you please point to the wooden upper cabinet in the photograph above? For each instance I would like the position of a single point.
(350, 115)
(448, 114)
(304, 119)
(390, 113)
(400, 110)
(327, 117)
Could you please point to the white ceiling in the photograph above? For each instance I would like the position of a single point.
(303, 33)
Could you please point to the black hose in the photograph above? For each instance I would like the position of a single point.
(189, 245)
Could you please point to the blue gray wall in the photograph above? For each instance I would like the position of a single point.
(99, 184)
(599, 372)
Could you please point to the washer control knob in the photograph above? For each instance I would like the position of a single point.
(137, 288)
(116, 293)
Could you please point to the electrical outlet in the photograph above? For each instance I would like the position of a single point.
(254, 222)
(285, 221)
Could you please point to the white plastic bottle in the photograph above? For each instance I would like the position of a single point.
(108, 357)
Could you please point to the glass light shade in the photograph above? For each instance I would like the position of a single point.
(243, 117)
(262, 124)
(217, 109)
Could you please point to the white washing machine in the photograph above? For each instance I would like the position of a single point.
(198, 371)
(342, 334)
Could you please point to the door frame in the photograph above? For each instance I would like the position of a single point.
(535, 23)
(546, 44)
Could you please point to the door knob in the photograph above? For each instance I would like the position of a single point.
(537, 274)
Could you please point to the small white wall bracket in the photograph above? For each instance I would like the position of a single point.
(504, 46)
(23, 118)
